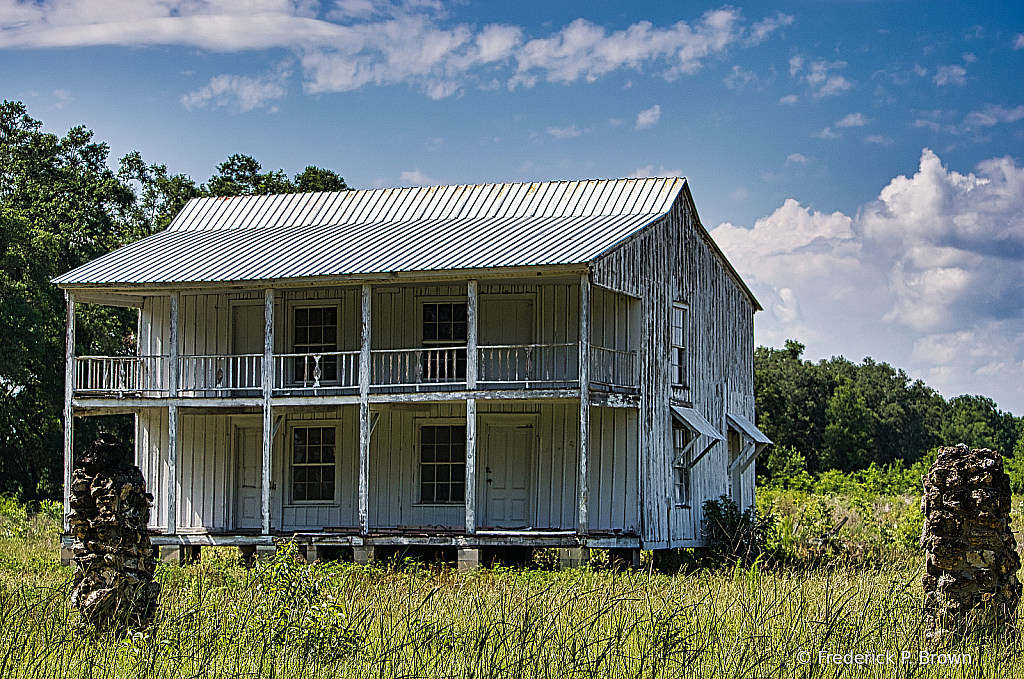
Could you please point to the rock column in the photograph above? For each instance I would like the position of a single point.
(970, 554)
(114, 559)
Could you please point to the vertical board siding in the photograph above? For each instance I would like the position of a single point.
(669, 261)
(151, 457)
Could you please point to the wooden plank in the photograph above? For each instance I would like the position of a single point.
(69, 396)
(472, 356)
(364, 410)
(172, 416)
(471, 464)
(584, 371)
(268, 383)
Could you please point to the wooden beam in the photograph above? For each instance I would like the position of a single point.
(69, 397)
(172, 416)
(268, 390)
(584, 480)
(364, 413)
(472, 355)
(470, 466)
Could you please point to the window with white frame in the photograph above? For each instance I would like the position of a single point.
(445, 329)
(678, 357)
(442, 464)
(681, 438)
(313, 463)
(314, 333)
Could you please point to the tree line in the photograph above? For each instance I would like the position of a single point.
(835, 414)
(62, 204)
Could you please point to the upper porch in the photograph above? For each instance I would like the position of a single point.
(518, 338)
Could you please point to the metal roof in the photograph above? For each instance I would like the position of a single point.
(748, 429)
(695, 422)
(589, 198)
(255, 238)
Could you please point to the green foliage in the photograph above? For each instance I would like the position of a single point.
(731, 535)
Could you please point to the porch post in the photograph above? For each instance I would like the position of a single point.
(172, 417)
(69, 395)
(584, 501)
(472, 357)
(364, 414)
(268, 390)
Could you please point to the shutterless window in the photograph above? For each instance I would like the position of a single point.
(443, 464)
(679, 313)
(313, 456)
(444, 337)
(681, 467)
(316, 332)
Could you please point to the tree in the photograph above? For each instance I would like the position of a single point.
(317, 179)
(848, 443)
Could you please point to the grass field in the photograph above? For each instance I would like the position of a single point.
(287, 619)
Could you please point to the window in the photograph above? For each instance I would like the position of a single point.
(681, 438)
(315, 333)
(444, 337)
(678, 357)
(313, 463)
(443, 464)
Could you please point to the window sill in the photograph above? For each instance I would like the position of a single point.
(311, 503)
(438, 504)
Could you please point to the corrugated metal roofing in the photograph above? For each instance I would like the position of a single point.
(590, 198)
(223, 255)
(255, 238)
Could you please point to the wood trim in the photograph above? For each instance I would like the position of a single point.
(364, 410)
(584, 444)
(268, 382)
(470, 487)
(69, 395)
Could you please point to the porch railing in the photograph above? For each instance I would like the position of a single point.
(141, 375)
(612, 367)
(528, 364)
(414, 367)
(228, 373)
(331, 370)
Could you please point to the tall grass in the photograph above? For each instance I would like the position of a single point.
(287, 619)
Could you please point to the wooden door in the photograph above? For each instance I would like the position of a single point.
(507, 322)
(507, 464)
(247, 332)
(248, 479)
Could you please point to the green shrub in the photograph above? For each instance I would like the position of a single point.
(731, 535)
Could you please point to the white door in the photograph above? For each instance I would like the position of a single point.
(507, 458)
(248, 493)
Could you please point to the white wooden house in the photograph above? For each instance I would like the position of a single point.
(564, 364)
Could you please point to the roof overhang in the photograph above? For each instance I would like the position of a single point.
(693, 421)
(754, 441)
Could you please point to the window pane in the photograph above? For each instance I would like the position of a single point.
(458, 492)
(427, 475)
(441, 493)
(444, 313)
(459, 313)
(429, 313)
(426, 453)
(426, 492)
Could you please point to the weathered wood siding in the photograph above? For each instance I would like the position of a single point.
(673, 261)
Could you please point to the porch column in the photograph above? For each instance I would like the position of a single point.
(172, 417)
(472, 357)
(364, 414)
(69, 395)
(268, 390)
(584, 501)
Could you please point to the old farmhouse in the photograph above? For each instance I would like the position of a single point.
(558, 364)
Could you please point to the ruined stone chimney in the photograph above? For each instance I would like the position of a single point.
(971, 556)
(114, 560)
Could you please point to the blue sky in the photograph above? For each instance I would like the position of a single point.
(859, 162)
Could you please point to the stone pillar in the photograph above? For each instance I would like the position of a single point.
(970, 553)
(363, 555)
(573, 557)
(114, 559)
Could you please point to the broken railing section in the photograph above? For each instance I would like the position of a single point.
(971, 560)
(113, 557)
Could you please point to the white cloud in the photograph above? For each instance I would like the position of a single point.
(739, 194)
(930, 276)
(796, 64)
(361, 42)
(614, 122)
(649, 171)
(235, 90)
(565, 132)
(738, 78)
(920, 70)
(789, 99)
(648, 118)
(852, 120)
(879, 139)
(827, 133)
(950, 75)
(797, 159)
(822, 83)
(992, 115)
(1018, 41)
(415, 178)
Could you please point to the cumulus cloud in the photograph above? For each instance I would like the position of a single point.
(820, 79)
(797, 159)
(929, 276)
(649, 171)
(738, 78)
(241, 91)
(852, 120)
(992, 115)
(362, 42)
(1018, 41)
(789, 99)
(950, 75)
(648, 118)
